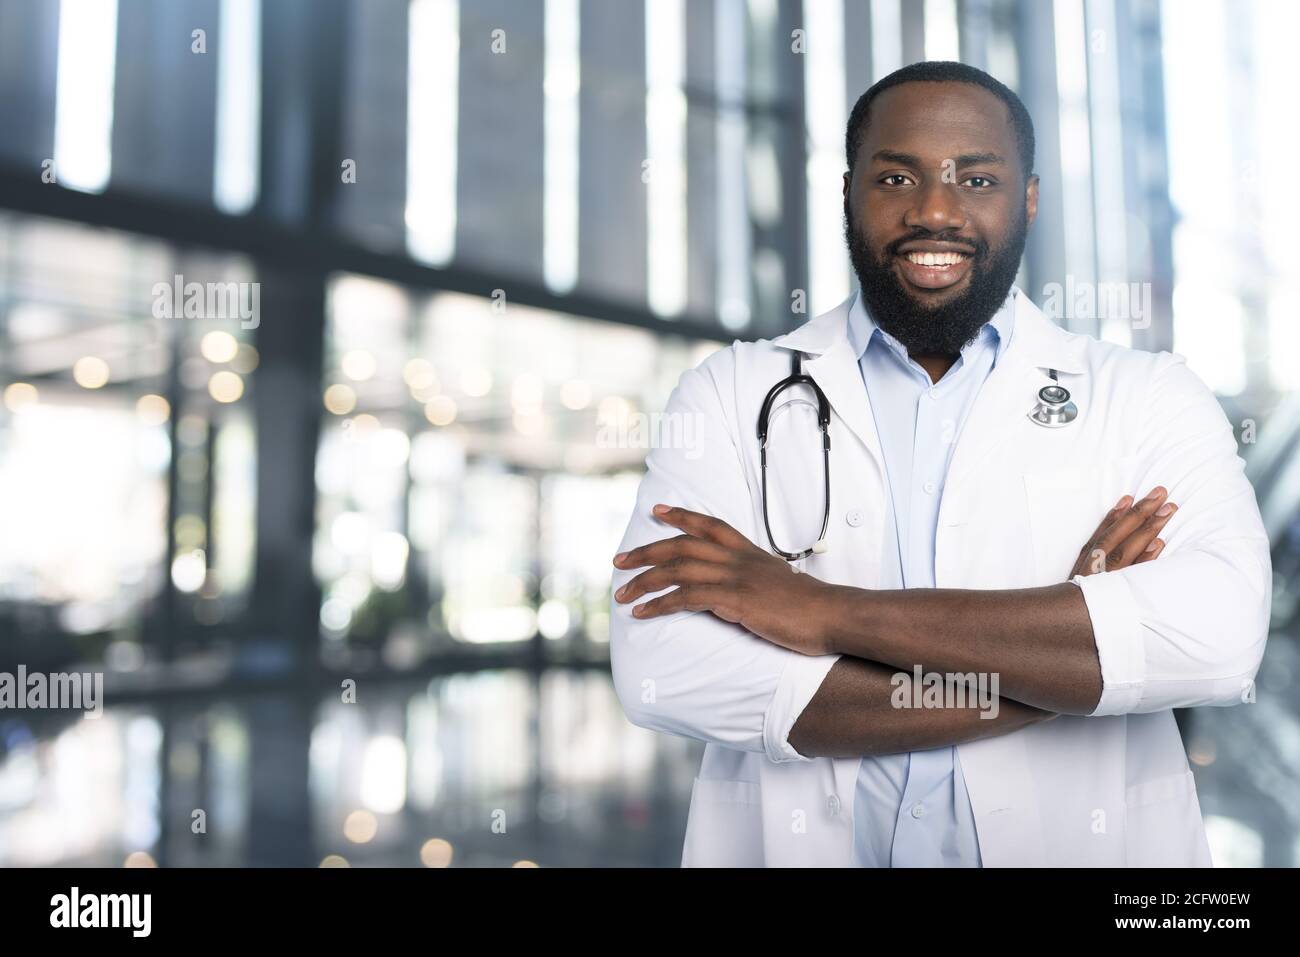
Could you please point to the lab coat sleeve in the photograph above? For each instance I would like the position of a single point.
(691, 673)
(1189, 628)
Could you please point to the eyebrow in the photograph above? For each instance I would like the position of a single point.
(965, 159)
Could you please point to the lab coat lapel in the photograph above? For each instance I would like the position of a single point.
(1000, 777)
(834, 367)
(1007, 396)
(837, 372)
(1011, 391)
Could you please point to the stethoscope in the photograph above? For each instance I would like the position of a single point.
(1054, 409)
(796, 377)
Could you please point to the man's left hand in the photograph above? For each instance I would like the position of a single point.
(717, 569)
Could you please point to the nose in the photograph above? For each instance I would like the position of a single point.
(936, 207)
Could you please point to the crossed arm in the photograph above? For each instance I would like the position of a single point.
(744, 652)
(1038, 640)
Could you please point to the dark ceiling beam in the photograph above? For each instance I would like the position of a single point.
(267, 241)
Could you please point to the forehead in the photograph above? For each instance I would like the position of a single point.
(937, 120)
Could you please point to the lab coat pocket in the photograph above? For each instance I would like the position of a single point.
(725, 824)
(1066, 504)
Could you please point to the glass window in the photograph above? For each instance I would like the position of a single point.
(111, 349)
(475, 470)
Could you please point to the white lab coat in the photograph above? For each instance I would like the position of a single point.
(1109, 789)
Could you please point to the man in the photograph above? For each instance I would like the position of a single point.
(951, 559)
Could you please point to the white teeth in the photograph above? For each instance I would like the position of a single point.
(935, 259)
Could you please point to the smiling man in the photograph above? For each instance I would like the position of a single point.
(934, 271)
(965, 545)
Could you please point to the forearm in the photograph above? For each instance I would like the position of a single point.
(1038, 641)
(854, 713)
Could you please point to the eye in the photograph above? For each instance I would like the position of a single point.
(979, 182)
(895, 179)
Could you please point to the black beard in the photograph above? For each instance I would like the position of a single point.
(945, 329)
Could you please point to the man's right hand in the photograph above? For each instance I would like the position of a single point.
(1127, 535)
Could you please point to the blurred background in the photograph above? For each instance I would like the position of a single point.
(343, 559)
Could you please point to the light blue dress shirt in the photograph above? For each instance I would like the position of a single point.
(912, 810)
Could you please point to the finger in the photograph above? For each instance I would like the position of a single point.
(1093, 564)
(666, 549)
(1152, 552)
(1127, 551)
(1129, 520)
(1104, 525)
(1133, 549)
(675, 571)
(686, 598)
(1111, 516)
(701, 526)
(1106, 550)
(1114, 515)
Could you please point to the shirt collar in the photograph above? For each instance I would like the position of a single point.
(863, 330)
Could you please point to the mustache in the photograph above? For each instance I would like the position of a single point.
(978, 248)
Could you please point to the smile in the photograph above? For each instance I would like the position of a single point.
(934, 270)
(936, 259)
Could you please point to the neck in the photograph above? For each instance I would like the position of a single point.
(935, 365)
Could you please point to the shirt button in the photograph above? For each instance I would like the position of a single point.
(833, 804)
(934, 393)
(918, 810)
(929, 488)
(854, 517)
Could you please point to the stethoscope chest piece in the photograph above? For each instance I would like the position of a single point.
(1054, 407)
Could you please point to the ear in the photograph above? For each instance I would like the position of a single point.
(1031, 199)
(848, 180)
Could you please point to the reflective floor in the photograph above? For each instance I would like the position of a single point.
(486, 769)
(1247, 765)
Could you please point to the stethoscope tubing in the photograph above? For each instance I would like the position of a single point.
(797, 377)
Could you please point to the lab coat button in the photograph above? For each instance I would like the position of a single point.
(854, 517)
(833, 804)
(918, 810)
(929, 488)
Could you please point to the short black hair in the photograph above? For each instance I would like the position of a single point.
(943, 71)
